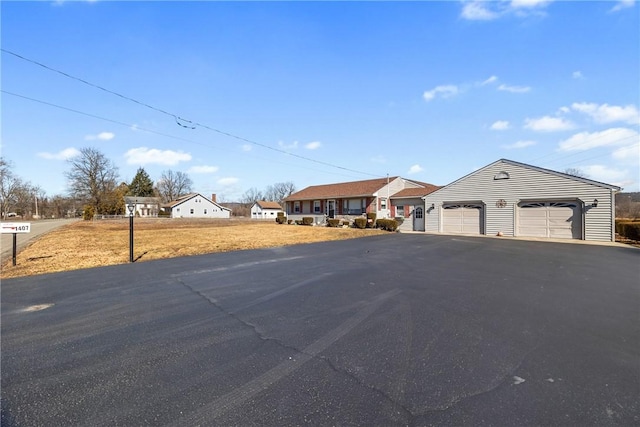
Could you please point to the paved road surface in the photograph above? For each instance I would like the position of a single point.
(38, 228)
(383, 331)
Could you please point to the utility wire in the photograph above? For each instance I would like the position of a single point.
(587, 141)
(129, 125)
(583, 151)
(180, 121)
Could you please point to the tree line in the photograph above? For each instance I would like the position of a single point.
(94, 187)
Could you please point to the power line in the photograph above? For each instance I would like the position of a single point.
(180, 121)
(583, 151)
(129, 125)
(587, 141)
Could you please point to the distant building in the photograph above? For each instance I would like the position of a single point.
(195, 205)
(265, 210)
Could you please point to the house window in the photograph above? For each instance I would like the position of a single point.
(383, 203)
(400, 211)
(296, 207)
(191, 211)
(316, 206)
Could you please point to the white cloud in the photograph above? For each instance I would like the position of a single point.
(548, 124)
(415, 169)
(247, 147)
(203, 169)
(514, 89)
(519, 144)
(500, 125)
(228, 181)
(629, 154)
(313, 145)
(144, 155)
(606, 113)
(102, 136)
(490, 80)
(291, 146)
(477, 11)
(577, 75)
(605, 174)
(445, 91)
(610, 137)
(65, 154)
(529, 4)
(623, 4)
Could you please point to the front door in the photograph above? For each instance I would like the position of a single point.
(331, 208)
(418, 219)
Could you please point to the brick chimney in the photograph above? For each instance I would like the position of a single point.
(213, 198)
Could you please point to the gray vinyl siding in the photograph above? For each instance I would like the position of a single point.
(524, 184)
(394, 186)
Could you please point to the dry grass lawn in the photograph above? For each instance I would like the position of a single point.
(87, 244)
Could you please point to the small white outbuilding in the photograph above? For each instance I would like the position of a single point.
(265, 210)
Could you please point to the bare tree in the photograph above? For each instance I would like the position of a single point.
(57, 206)
(92, 178)
(172, 185)
(15, 194)
(279, 191)
(25, 197)
(8, 187)
(251, 196)
(576, 172)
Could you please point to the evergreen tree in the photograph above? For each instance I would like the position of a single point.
(141, 185)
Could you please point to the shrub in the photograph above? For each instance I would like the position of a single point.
(333, 223)
(387, 224)
(281, 219)
(360, 222)
(298, 222)
(371, 219)
(346, 223)
(289, 221)
(307, 220)
(88, 212)
(628, 229)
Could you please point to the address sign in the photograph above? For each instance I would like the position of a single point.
(16, 227)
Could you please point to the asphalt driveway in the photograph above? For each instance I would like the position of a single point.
(388, 330)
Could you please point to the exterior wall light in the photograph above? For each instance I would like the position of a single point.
(595, 203)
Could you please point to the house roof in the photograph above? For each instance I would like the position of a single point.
(268, 205)
(415, 192)
(524, 165)
(342, 189)
(190, 196)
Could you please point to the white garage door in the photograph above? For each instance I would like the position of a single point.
(462, 218)
(559, 220)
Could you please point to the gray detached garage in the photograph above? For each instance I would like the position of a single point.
(516, 199)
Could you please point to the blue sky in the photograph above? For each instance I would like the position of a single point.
(321, 92)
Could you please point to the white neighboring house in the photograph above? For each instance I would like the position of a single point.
(265, 210)
(145, 207)
(195, 205)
